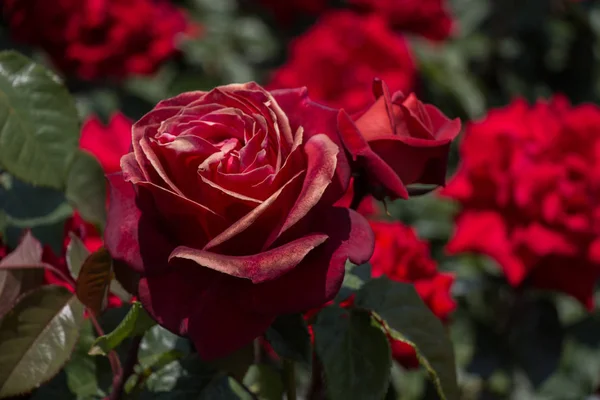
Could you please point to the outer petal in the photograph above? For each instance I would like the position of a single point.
(128, 230)
(259, 267)
(202, 304)
(376, 167)
(318, 278)
(414, 161)
(316, 119)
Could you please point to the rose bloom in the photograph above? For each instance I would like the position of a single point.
(403, 141)
(337, 58)
(529, 189)
(428, 18)
(98, 39)
(225, 207)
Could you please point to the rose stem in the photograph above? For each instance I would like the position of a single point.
(289, 379)
(130, 362)
(113, 358)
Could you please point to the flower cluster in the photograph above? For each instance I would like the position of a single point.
(99, 39)
(528, 186)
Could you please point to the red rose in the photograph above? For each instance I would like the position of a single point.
(532, 203)
(107, 143)
(225, 208)
(403, 257)
(99, 39)
(339, 56)
(428, 18)
(403, 142)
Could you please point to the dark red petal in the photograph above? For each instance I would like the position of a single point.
(261, 267)
(378, 170)
(321, 155)
(318, 278)
(128, 231)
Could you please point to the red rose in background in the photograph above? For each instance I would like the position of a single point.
(107, 143)
(338, 57)
(403, 257)
(428, 18)
(403, 142)
(95, 39)
(225, 208)
(287, 11)
(529, 189)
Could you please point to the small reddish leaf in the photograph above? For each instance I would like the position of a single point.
(94, 280)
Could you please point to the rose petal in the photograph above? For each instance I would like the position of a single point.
(127, 230)
(318, 278)
(321, 154)
(260, 267)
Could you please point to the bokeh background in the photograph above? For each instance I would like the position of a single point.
(467, 57)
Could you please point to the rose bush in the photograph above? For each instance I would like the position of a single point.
(99, 39)
(531, 204)
(402, 142)
(226, 209)
(337, 58)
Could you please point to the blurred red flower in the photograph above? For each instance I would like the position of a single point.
(340, 55)
(428, 18)
(108, 143)
(98, 39)
(529, 188)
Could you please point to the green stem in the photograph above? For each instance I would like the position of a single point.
(289, 379)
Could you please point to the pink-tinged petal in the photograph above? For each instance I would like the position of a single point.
(154, 170)
(261, 267)
(131, 169)
(377, 169)
(414, 160)
(318, 278)
(321, 155)
(182, 100)
(248, 232)
(128, 229)
(316, 119)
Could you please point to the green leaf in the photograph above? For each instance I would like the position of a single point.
(94, 280)
(265, 382)
(354, 278)
(136, 323)
(14, 282)
(289, 337)
(408, 319)
(37, 338)
(76, 255)
(39, 126)
(86, 188)
(355, 353)
(225, 388)
(81, 368)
